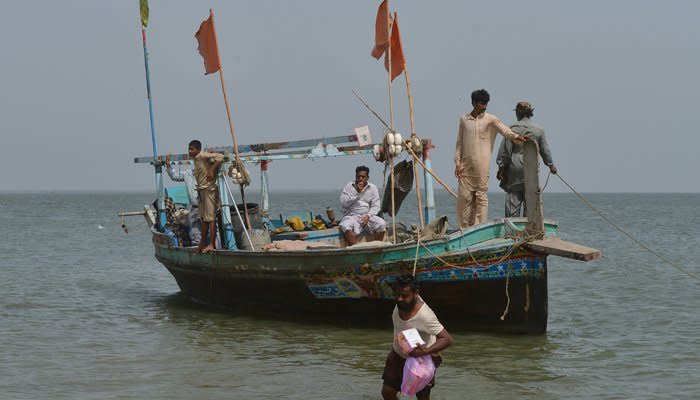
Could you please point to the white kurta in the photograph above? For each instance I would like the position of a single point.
(357, 205)
(473, 150)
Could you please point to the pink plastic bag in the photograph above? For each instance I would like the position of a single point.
(417, 373)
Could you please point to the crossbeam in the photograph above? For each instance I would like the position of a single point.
(283, 150)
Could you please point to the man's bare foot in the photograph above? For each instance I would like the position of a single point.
(208, 249)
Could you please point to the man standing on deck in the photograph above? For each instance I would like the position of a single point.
(186, 175)
(360, 203)
(412, 312)
(510, 160)
(477, 133)
(206, 165)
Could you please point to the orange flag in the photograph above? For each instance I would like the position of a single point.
(206, 39)
(381, 31)
(398, 62)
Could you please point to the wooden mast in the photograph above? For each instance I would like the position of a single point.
(413, 135)
(391, 124)
(230, 120)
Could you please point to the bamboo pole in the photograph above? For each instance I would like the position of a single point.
(156, 162)
(413, 135)
(391, 124)
(418, 196)
(230, 120)
(388, 58)
(428, 170)
(440, 181)
(393, 199)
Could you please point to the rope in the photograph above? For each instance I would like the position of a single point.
(245, 230)
(393, 202)
(616, 226)
(415, 259)
(505, 312)
(477, 264)
(515, 246)
(547, 181)
(500, 260)
(428, 170)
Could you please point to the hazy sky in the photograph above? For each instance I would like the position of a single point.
(614, 83)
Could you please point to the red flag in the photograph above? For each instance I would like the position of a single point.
(381, 31)
(206, 39)
(398, 62)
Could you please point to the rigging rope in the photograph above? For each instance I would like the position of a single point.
(415, 259)
(616, 226)
(547, 181)
(511, 250)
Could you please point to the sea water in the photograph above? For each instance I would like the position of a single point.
(86, 312)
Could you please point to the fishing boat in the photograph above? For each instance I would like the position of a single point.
(491, 276)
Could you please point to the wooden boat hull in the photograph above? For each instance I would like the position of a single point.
(490, 285)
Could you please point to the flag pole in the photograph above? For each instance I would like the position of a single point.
(413, 135)
(156, 162)
(391, 125)
(388, 57)
(230, 120)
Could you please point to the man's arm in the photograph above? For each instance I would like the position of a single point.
(176, 175)
(458, 151)
(348, 196)
(507, 132)
(217, 159)
(503, 158)
(374, 203)
(546, 154)
(443, 340)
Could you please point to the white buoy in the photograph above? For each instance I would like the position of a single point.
(377, 152)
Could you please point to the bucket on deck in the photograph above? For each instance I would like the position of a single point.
(259, 237)
(253, 214)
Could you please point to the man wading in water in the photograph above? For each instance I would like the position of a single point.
(412, 312)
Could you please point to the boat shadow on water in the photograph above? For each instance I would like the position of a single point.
(180, 306)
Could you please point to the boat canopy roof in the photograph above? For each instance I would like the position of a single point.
(337, 146)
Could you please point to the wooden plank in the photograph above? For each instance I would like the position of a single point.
(557, 247)
(533, 199)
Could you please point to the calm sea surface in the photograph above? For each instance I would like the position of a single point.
(86, 312)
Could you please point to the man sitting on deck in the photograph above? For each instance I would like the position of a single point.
(360, 203)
